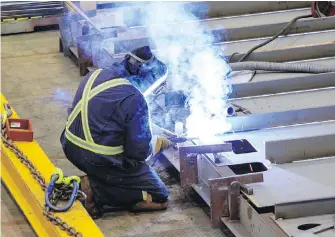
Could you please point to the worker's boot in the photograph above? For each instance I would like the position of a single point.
(89, 203)
(149, 205)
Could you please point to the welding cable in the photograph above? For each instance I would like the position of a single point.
(282, 67)
(286, 28)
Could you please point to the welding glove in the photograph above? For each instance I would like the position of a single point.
(162, 144)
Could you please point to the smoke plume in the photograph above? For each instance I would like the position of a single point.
(196, 68)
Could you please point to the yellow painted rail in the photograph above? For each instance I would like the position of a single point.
(29, 195)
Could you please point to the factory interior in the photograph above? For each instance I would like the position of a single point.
(238, 129)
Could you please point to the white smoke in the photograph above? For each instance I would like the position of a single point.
(197, 69)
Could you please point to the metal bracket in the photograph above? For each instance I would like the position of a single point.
(233, 195)
(220, 195)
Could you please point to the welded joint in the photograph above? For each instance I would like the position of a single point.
(225, 193)
(188, 159)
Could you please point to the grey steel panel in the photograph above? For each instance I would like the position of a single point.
(271, 28)
(280, 85)
(283, 118)
(290, 226)
(287, 101)
(237, 27)
(285, 186)
(255, 224)
(289, 53)
(132, 14)
(204, 191)
(229, 8)
(286, 151)
(308, 168)
(322, 206)
(300, 52)
(128, 42)
(290, 41)
(236, 228)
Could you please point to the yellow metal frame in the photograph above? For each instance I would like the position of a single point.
(29, 195)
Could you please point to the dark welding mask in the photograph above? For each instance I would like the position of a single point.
(148, 73)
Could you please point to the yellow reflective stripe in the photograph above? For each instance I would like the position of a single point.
(94, 92)
(144, 195)
(84, 105)
(99, 149)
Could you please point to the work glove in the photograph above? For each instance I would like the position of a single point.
(162, 144)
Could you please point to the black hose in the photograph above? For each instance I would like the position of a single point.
(287, 27)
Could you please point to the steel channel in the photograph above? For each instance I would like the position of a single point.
(312, 51)
(287, 101)
(236, 27)
(229, 8)
(284, 118)
(215, 9)
(280, 85)
(305, 208)
(283, 42)
(258, 225)
(289, 150)
(119, 45)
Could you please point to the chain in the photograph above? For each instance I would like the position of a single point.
(59, 193)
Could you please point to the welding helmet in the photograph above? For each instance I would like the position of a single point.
(146, 70)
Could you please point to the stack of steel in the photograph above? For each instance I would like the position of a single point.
(10, 10)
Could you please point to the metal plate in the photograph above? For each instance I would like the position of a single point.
(290, 226)
(286, 151)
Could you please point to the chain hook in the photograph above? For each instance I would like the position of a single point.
(49, 191)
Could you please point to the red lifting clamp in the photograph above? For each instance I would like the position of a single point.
(19, 130)
(323, 9)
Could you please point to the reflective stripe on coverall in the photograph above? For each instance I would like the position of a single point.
(118, 177)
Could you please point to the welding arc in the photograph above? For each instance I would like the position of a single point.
(287, 27)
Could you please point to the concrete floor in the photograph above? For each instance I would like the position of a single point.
(39, 82)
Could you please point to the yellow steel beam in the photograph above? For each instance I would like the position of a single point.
(29, 195)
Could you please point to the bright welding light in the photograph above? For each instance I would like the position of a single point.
(156, 84)
(198, 68)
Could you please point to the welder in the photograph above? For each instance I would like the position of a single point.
(108, 135)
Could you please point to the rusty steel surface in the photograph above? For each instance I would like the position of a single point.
(222, 192)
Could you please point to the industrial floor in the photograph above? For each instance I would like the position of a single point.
(39, 82)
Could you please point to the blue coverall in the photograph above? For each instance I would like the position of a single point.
(117, 116)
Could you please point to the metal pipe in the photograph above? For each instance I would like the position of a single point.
(77, 9)
(282, 67)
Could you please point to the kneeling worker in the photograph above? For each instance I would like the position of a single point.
(108, 135)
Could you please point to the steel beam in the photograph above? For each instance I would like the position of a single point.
(305, 208)
(287, 101)
(290, 83)
(283, 42)
(29, 195)
(290, 150)
(311, 46)
(209, 9)
(122, 43)
(256, 224)
(228, 29)
(283, 118)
